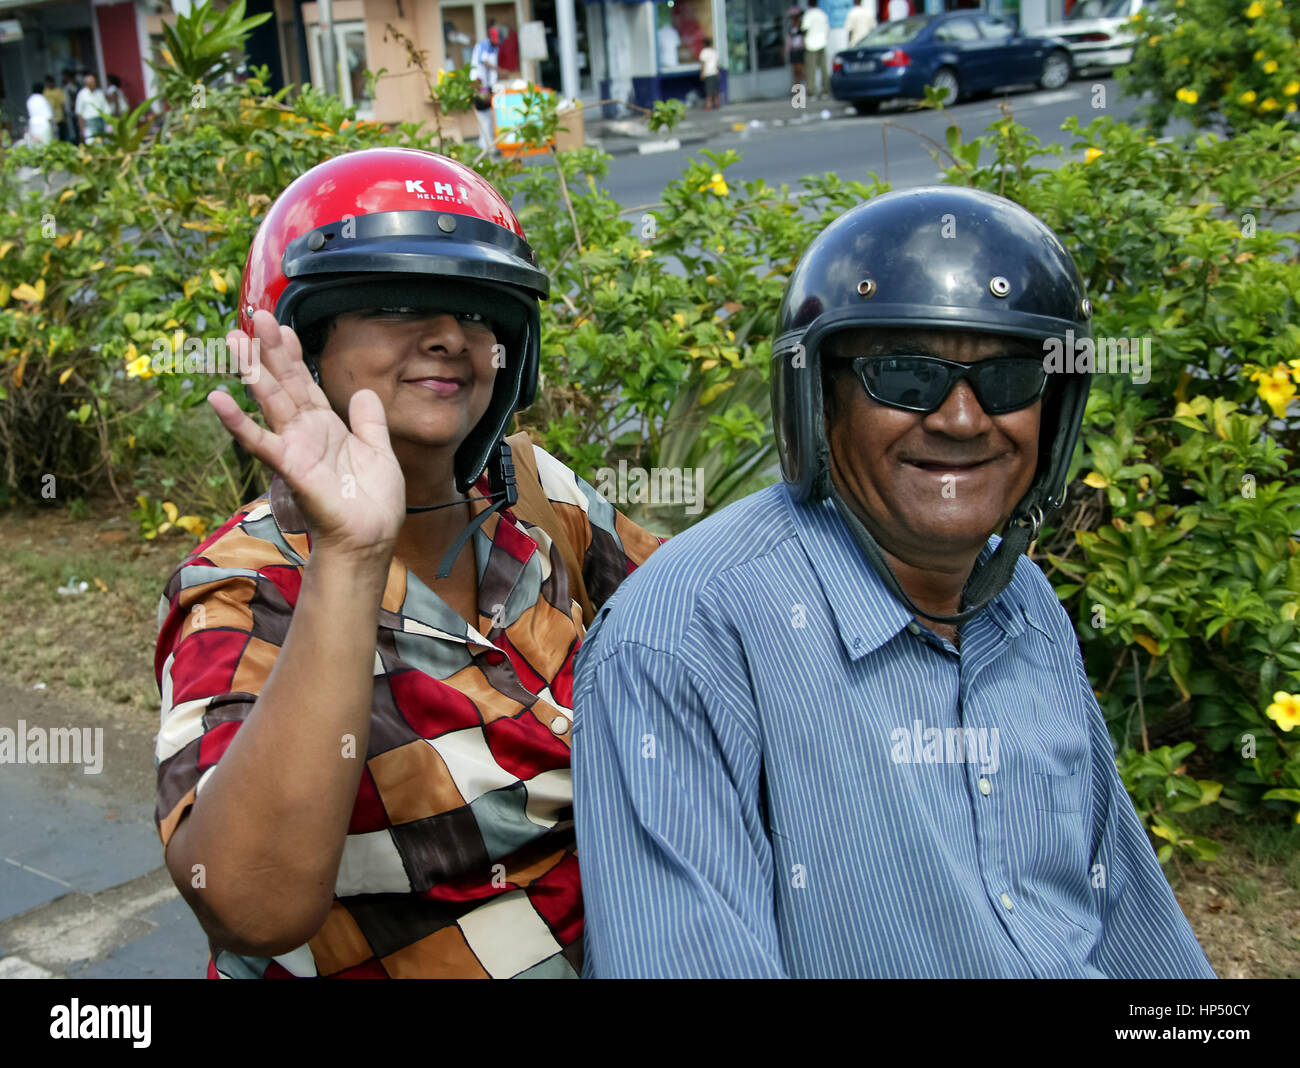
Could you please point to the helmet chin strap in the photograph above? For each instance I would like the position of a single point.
(501, 481)
(986, 581)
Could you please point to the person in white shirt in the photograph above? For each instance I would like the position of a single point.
(899, 9)
(709, 74)
(861, 21)
(40, 117)
(816, 28)
(483, 60)
(117, 103)
(669, 42)
(91, 108)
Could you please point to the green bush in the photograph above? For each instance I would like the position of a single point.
(1225, 63)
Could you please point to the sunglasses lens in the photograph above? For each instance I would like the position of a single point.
(906, 381)
(1006, 385)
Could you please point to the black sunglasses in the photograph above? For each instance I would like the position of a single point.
(922, 383)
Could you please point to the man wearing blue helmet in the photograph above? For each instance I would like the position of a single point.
(841, 728)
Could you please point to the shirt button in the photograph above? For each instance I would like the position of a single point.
(494, 658)
(1006, 901)
(914, 627)
(986, 787)
(560, 725)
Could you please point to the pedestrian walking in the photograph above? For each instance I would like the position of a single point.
(118, 104)
(861, 20)
(58, 105)
(709, 74)
(92, 106)
(70, 87)
(40, 117)
(794, 50)
(816, 29)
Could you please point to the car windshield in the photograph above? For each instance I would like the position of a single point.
(900, 31)
(1098, 9)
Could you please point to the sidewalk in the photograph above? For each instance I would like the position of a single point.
(621, 137)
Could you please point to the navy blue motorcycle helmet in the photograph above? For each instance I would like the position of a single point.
(932, 258)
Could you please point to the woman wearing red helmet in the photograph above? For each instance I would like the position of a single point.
(363, 764)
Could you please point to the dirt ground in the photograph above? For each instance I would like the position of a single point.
(95, 650)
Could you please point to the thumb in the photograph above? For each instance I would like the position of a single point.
(367, 420)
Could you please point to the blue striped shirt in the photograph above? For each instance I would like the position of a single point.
(778, 772)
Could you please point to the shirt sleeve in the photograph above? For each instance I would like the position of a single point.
(609, 544)
(223, 617)
(1144, 933)
(676, 869)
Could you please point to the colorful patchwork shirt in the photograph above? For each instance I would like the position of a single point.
(460, 857)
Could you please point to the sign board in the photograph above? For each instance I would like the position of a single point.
(532, 41)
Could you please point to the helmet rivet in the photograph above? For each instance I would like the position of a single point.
(867, 288)
(446, 223)
(1086, 308)
(316, 240)
(999, 286)
(249, 309)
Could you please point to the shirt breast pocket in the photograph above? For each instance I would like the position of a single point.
(1059, 793)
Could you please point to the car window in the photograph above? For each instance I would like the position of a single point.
(957, 30)
(899, 31)
(1099, 9)
(994, 29)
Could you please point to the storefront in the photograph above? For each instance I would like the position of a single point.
(50, 37)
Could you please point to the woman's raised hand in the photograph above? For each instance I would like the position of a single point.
(347, 482)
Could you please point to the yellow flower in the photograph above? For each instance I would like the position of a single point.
(1276, 390)
(193, 524)
(1269, 105)
(1285, 710)
(1291, 88)
(1255, 10)
(1291, 106)
(1270, 67)
(1092, 154)
(1187, 96)
(1258, 55)
(1154, 40)
(717, 185)
(1248, 97)
(140, 367)
(1185, 61)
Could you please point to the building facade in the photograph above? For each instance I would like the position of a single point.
(627, 51)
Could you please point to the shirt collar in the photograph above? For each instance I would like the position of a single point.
(867, 614)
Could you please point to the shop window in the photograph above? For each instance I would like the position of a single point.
(681, 26)
(350, 53)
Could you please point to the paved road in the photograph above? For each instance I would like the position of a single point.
(82, 890)
(851, 146)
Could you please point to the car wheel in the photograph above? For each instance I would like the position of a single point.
(1056, 70)
(946, 78)
(866, 107)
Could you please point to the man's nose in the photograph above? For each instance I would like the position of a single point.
(960, 415)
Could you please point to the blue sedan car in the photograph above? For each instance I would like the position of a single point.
(963, 52)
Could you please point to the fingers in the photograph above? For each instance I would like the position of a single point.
(368, 421)
(261, 444)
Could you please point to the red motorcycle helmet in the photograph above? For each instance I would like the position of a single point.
(400, 226)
